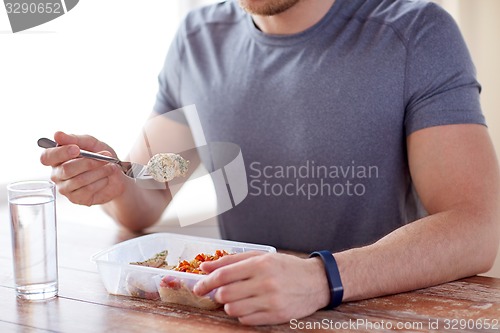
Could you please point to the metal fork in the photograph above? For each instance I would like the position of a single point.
(133, 170)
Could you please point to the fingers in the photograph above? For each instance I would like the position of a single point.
(56, 156)
(82, 180)
(269, 288)
(253, 302)
(210, 266)
(69, 148)
(65, 139)
(81, 172)
(85, 142)
(96, 186)
(228, 269)
(256, 311)
(236, 291)
(86, 195)
(269, 318)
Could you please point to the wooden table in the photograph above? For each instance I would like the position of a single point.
(84, 305)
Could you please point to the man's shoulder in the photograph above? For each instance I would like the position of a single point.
(405, 16)
(392, 11)
(222, 13)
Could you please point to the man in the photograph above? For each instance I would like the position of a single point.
(375, 100)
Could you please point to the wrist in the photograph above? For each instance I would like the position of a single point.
(321, 292)
(353, 280)
(336, 289)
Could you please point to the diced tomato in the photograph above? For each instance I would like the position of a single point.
(170, 282)
(193, 265)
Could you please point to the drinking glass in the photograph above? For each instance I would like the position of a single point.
(34, 238)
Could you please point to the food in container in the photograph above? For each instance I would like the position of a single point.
(139, 285)
(121, 277)
(173, 290)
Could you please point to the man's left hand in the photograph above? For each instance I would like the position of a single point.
(269, 288)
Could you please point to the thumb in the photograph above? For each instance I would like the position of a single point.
(64, 139)
(85, 142)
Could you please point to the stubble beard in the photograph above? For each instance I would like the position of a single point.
(267, 7)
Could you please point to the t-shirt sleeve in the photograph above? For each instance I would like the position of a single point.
(440, 84)
(169, 78)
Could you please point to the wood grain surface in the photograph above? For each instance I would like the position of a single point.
(83, 305)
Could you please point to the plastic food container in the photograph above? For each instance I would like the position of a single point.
(122, 278)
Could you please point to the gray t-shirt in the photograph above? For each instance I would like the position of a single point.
(322, 116)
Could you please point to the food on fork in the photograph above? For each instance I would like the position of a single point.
(164, 167)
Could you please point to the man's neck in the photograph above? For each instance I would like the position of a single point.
(296, 19)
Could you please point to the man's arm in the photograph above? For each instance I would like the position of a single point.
(138, 208)
(88, 182)
(455, 172)
(456, 175)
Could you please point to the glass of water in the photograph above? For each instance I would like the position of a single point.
(34, 238)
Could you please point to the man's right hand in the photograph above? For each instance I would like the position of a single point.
(84, 181)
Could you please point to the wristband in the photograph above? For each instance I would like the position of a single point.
(333, 277)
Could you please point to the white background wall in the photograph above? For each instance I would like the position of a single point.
(93, 70)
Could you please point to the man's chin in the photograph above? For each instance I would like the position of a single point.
(267, 7)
